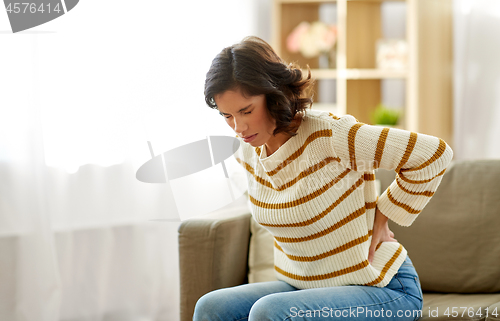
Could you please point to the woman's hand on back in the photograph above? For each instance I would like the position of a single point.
(381, 233)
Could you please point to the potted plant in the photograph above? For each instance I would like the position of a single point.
(384, 116)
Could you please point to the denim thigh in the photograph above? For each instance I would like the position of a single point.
(409, 281)
(400, 300)
(234, 303)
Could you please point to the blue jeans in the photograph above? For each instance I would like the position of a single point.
(401, 299)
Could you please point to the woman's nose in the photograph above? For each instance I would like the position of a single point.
(240, 126)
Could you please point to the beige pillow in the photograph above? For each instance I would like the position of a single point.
(261, 254)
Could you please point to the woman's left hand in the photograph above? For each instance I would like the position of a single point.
(381, 233)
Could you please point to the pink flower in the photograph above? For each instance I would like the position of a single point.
(294, 39)
(312, 39)
(331, 36)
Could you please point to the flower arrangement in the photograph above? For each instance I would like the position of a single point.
(392, 54)
(312, 39)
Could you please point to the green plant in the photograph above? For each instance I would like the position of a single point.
(385, 116)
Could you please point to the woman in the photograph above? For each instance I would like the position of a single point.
(312, 185)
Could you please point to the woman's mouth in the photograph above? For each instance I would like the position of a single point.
(248, 139)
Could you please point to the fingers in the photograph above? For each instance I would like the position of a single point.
(371, 253)
(392, 239)
(371, 250)
(375, 243)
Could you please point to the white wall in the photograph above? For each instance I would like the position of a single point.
(476, 79)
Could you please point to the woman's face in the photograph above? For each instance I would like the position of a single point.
(247, 116)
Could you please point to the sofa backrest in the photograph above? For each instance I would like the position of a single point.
(454, 243)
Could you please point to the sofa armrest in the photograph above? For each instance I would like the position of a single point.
(213, 254)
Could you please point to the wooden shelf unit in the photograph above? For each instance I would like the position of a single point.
(354, 73)
(428, 78)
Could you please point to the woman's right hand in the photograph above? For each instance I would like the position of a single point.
(381, 233)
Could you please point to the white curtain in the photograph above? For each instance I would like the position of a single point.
(80, 238)
(477, 79)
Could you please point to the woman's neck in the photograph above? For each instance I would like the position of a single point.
(276, 141)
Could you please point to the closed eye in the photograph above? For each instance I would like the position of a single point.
(224, 115)
(240, 111)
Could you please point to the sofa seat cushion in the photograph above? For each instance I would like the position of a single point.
(439, 306)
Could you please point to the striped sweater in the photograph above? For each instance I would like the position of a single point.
(316, 195)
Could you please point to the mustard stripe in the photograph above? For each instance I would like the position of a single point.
(342, 248)
(322, 214)
(386, 267)
(257, 150)
(440, 151)
(368, 177)
(351, 139)
(251, 171)
(400, 175)
(350, 269)
(304, 199)
(309, 171)
(380, 147)
(424, 193)
(370, 205)
(402, 205)
(333, 116)
(409, 149)
(297, 153)
(324, 232)
(303, 174)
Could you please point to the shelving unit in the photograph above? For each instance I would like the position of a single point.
(428, 78)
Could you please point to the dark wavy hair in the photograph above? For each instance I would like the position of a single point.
(253, 67)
